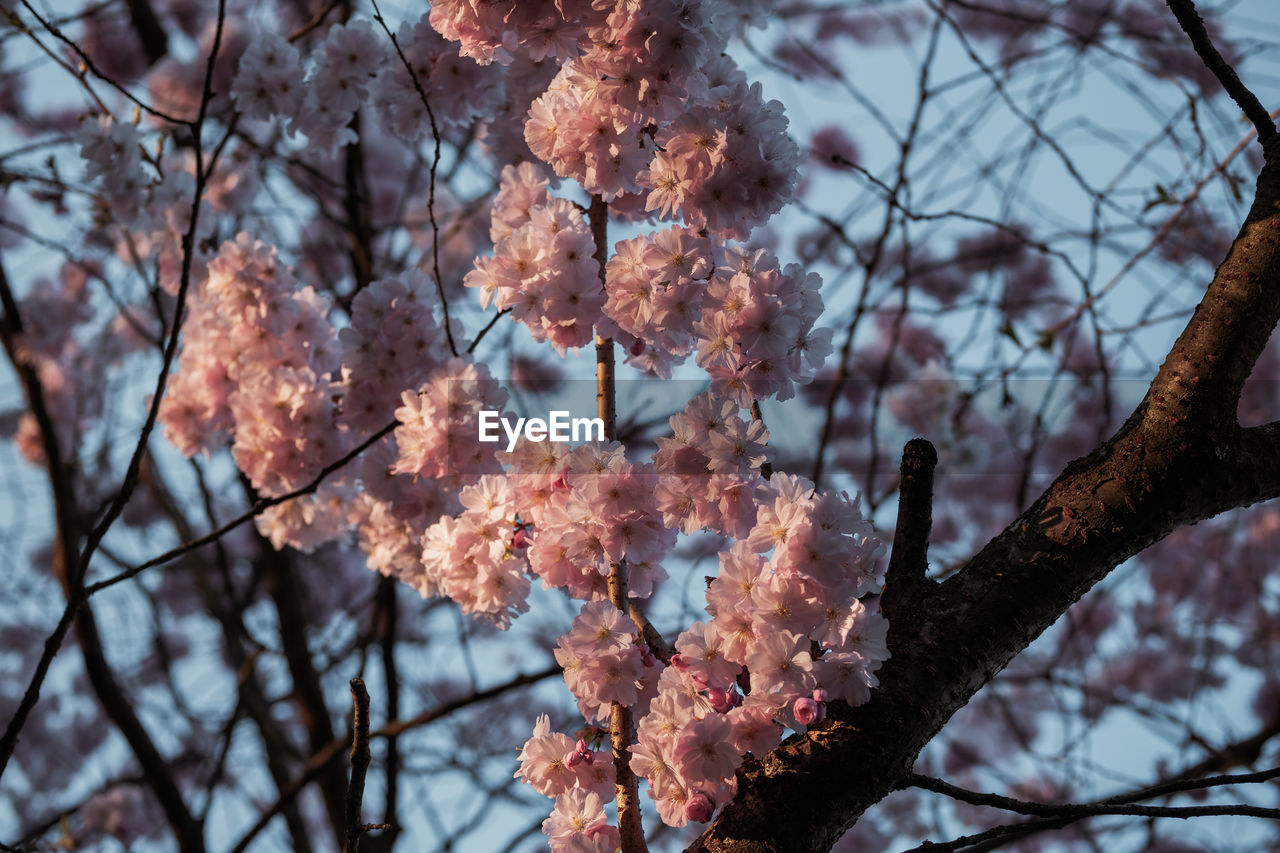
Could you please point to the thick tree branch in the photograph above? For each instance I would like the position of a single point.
(1180, 458)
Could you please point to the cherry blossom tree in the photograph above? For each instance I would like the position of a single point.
(933, 436)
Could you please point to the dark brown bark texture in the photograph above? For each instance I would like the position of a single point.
(1181, 457)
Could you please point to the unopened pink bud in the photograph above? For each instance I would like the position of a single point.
(637, 349)
(678, 662)
(520, 539)
(573, 759)
(724, 701)
(699, 808)
(808, 712)
(646, 655)
(819, 695)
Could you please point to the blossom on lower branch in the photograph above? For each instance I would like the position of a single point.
(578, 825)
(551, 763)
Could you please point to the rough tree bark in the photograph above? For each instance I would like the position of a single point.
(1181, 457)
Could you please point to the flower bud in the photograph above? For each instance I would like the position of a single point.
(807, 712)
(699, 807)
(724, 700)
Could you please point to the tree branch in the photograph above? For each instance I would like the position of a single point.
(313, 712)
(1056, 816)
(360, 757)
(1004, 833)
(1117, 806)
(621, 724)
(431, 187)
(68, 563)
(1181, 457)
(331, 750)
(1193, 25)
(155, 42)
(905, 582)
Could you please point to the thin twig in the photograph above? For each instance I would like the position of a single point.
(493, 322)
(621, 725)
(431, 187)
(259, 506)
(93, 69)
(360, 758)
(1053, 816)
(322, 758)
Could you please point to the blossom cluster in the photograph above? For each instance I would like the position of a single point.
(726, 164)
(543, 268)
(757, 337)
(589, 508)
(474, 558)
(665, 293)
(354, 65)
(648, 102)
(438, 436)
(256, 369)
(710, 468)
(602, 662)
(646, 112)
(791, 629)
(264, 369)
(794, 619)
(656, 285)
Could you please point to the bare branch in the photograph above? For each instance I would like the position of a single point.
(360, 759)
(1193, 25)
